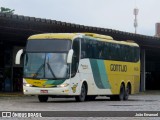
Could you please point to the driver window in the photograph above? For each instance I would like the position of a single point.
(75, 59)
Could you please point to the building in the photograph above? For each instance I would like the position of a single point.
(15, 29)
(157, 30)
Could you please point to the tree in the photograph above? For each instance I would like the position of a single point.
(6, 10)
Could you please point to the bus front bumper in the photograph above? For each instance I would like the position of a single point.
(45, 91)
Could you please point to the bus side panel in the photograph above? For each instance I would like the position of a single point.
(119, 72)
(104, 77)
(136, 87)
(93, 71)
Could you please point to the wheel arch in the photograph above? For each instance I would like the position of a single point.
(86, 86)
(122, 83)
(130, 86)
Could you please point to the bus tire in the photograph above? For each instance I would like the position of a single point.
(43, 98)
(127, 92)
(122, 93)
(82, 96)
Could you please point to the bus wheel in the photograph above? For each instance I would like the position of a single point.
(122, 93)
(43, 98)
(127, 92)
(82, 95)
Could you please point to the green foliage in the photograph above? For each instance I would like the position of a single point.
(6, 10)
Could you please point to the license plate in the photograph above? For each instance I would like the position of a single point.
(44, 91)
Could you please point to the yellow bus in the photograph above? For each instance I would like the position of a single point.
(80, 65)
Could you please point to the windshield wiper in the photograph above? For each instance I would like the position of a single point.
(51, 70)
(40, 68)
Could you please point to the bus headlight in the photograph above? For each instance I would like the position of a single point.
(63, 85)
(25, 91)
(27, 85)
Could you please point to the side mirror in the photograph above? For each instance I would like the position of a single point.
(18, 56)
(70, 55)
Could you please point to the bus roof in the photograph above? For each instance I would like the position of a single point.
(109, 39)
(71, 36)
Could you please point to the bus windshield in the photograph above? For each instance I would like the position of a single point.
(46, 59)
(45, 65)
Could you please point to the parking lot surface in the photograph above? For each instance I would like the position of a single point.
(149, 101)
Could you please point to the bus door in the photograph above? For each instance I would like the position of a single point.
(75, 76)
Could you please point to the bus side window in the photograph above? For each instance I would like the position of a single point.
(111, 51)
(95, 50)
(118, 50)
(123, 56)
(86, 51)
(100, 50)
(83, 48)
(125, 53)
(75, 59)
(136, 54)
(106, 51)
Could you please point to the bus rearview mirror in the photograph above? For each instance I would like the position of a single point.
(18, 56)
(70, 55)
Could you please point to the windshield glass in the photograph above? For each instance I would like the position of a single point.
(46, 65)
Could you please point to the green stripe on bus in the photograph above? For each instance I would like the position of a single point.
(54, 82)
(99, 74)
(96, 73)
(103, 74)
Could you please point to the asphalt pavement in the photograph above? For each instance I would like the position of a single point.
(147, 101)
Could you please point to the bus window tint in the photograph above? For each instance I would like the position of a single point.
(75, 60)
(86, 48)
(136, 53)
(95, 49)
(83, 48)
(101, 50)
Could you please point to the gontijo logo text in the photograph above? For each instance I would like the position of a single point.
(118, 68)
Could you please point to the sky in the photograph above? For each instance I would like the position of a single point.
(111, 14)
